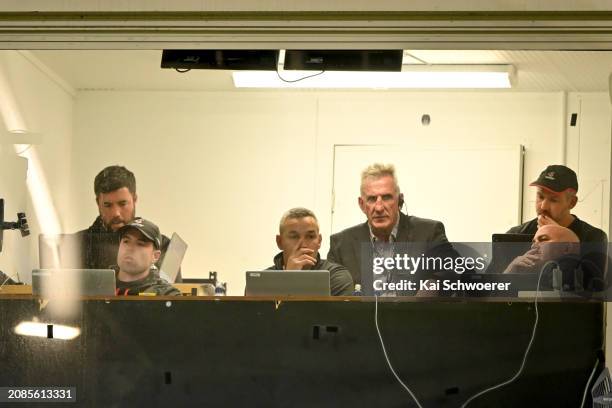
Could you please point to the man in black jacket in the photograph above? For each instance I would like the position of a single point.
(139, 249)
(299, 241)
(116, 198)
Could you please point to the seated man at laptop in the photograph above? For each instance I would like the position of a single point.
(559, 244)
(139, 249)
(299, 241)
(550, 243)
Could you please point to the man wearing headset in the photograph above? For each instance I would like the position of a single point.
(380, 200)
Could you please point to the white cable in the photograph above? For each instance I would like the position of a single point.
(586, 387)
(382, 344)
(6, 280)
(533, 332)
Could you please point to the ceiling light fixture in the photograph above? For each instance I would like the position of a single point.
(411, 77)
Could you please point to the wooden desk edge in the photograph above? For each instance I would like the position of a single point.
(363, 299)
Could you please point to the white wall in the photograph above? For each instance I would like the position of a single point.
(220, 168)
(47, 111)
(588, 152)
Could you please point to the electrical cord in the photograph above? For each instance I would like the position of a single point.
(299, 79)
(384, 350)
(586, 387)
(518, 373)
(6, 280)
(533, 332)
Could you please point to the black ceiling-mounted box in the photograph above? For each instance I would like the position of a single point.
(263, 60)
(344, 60)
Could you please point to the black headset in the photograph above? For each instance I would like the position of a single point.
(400, 201)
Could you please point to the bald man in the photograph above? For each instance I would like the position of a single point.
(550, 243)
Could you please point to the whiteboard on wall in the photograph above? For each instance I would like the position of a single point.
(475, 192)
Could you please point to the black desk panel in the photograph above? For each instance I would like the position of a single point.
(238, 352)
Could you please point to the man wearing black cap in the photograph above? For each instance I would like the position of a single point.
(139, 249)
(555, 197)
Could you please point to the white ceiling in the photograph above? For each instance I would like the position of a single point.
(584, 71)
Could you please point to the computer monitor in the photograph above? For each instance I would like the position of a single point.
(506, 247)
(21, 224)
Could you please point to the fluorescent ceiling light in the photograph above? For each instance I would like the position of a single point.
(411, 77)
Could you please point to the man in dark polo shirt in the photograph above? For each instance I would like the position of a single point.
(299, 241)
(556, 196)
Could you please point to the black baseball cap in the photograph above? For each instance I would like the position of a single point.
(557, 178)
(146, 227)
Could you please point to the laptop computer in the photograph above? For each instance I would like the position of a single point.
(92, 282)
(506, 247)
(173, 257)
(287, 283)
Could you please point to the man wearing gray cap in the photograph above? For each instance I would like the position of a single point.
(139, 249)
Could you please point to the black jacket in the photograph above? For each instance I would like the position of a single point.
(340, 281)
(352, 247)
(150, 284)
(585, 231)
(593, 250)
(99, 247)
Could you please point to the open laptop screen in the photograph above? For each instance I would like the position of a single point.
(173, 257)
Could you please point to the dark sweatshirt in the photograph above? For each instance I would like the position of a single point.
(340, 280)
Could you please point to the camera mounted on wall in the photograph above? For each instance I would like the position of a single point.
(21, 224)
